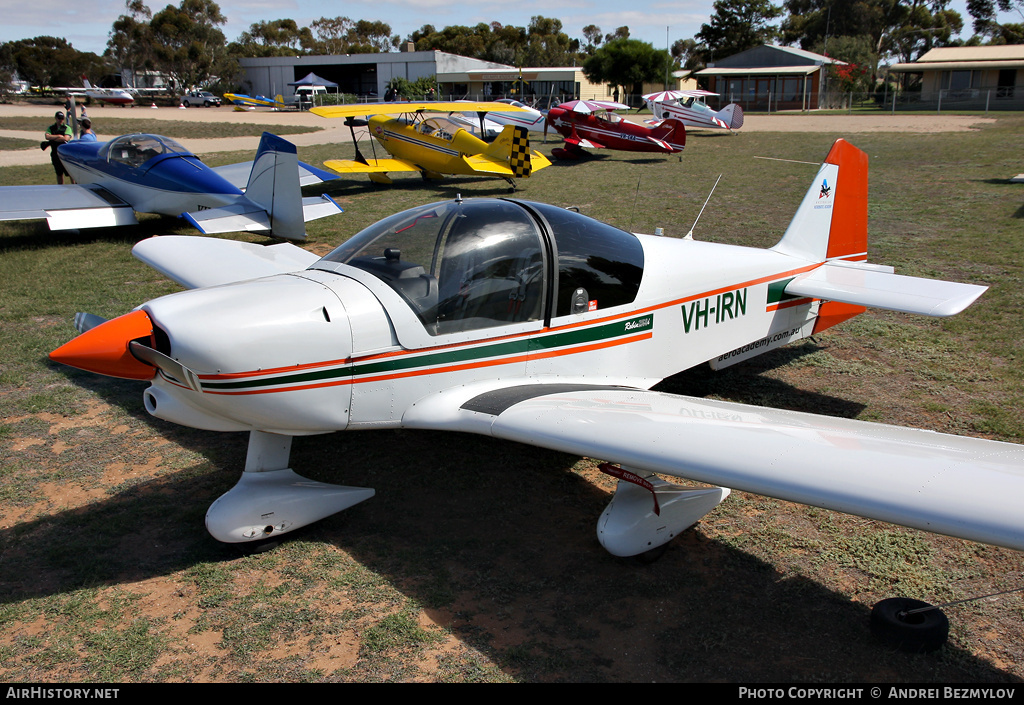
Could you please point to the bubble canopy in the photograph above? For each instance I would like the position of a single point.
(481, 263)
(139, 148)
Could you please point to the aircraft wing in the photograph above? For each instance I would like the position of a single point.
(238, 174)
(964, 487)
(583, 142)
(195, 261)
(372, 166)
(65, 207)
(363, 109)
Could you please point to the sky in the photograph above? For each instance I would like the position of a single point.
(86, 26)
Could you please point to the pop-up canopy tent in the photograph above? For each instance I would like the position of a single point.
(311, 79)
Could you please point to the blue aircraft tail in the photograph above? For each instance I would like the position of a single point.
(273, 197)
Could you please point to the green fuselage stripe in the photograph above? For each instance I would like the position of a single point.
(510, 348)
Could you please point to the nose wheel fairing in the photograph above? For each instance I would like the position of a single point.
(271, 499)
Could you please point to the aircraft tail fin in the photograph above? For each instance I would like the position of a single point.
(512, 145)
(672, 131)
(832, 220)
(279, 99)
(732, 116)
(85, 81)
(274, 195)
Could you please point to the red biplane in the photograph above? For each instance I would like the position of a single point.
(592, 123)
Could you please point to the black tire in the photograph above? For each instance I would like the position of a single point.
(185, 103)
(921, 632)
(653, 555)
(206, 104)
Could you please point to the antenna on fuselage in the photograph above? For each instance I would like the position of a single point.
(689, 235)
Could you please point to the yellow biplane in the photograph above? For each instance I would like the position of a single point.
(435, 145)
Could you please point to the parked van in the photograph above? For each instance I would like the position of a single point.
(307, 96)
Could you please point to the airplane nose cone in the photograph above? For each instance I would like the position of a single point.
(104, 349)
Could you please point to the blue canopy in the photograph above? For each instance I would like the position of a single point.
(312, 79)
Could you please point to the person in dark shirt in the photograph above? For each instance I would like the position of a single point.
(57, 134)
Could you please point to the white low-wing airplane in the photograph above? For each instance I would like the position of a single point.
(116, 96)
(534, 323)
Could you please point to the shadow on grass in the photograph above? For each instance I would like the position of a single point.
(496, 541)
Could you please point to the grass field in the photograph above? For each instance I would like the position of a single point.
(477, 560)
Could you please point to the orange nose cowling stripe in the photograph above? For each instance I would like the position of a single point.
(104, 349)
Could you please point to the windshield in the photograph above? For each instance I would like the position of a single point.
(460, 265)
(135, 150)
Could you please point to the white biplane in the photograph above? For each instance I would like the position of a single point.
(690, 108)
(534, 323)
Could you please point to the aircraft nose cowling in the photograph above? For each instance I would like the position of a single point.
(270, 353)
(104, 348)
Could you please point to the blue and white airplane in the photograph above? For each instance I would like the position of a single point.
(145, 173)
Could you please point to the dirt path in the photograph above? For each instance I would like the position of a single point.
(334, 130)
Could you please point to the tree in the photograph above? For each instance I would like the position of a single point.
(423, 88)
(592, 33)
(331, 35)
(189, 47)
(738, 25)
(902, 28)
(986, 20)
(859, 58)
(626, 63)
(686, 54)
(130, 41)
(274, 38)
(917, 26)
(50, 61)
(547, 44)
(543, 43)
(619, 33)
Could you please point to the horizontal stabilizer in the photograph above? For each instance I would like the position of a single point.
(238, 174)
(878, 289)
(248, 217)
(196, 262)
(485, 165)
(314, 207)
(238, 217)
(350, 166)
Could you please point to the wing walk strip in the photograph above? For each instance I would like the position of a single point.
(566, 340)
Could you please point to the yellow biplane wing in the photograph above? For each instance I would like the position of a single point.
(363, 109)
(370, 166)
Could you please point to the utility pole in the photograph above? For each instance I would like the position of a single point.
(668, 51)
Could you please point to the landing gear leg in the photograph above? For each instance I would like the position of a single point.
(647, 512)
(271, 499)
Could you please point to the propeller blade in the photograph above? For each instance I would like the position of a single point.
(87, 321)
(169, 366)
